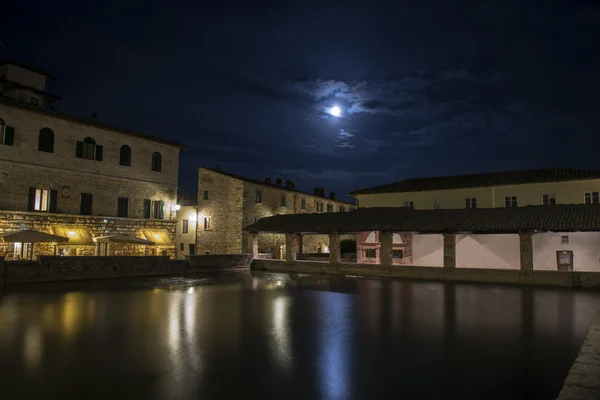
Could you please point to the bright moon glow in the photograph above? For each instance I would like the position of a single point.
(335, 111)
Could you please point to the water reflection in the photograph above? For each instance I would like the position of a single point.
(290, 336)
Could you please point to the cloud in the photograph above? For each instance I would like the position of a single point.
(343, 140)
(374, 145)
(442, 131)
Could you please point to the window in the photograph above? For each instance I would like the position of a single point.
(192, 249)
(85, 204)
(46, 140)
(154, 209)
(181, 246)
(125, 156)
(35, 101)
(409, 204)
(7, 134)
(185, 226)
(371, 253)
(329, 207)
(342, 208)
(156, 161)
(399, 254)
(42, 200)
(205, 194)
(510, 201)
(319, 206)
(283, 200)
(471, 203)
(123, 207)
(258, 196)
(88, 149)
(303, 204)
(549, 199)
(207, 226)
(437, 204)
(591, 198)
(564, 240)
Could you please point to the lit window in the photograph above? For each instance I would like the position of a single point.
(207, 225)
(591, 198)
(471, 203)
(371, 253)
(549, 199)
(42, 200)
(510, 201)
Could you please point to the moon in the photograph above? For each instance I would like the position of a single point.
(335, 111)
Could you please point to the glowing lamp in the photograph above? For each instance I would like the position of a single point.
(156, 236)
(72, 233)
(177, 207)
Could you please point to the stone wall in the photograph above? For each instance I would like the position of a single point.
(370, 240)
(56, 269)
(97, 226)
(224, 208)
(541, 278)
(219, 261)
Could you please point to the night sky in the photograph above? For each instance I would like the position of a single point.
(438, 88)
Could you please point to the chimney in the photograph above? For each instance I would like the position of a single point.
(94, 115)
(332, 195)
(217, 167)
(268, 180)
(278, 181)
(289, 184)
(316, 191)
(322, 192)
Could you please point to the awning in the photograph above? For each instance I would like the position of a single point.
(123, 239)
(76, 234)
(160, 237)
(31, 237)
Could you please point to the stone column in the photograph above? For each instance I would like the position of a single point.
(526, 247)
(385, 250)
(450, 250)
(291, 247)
(253, 244)
(300, 249)
(2, 272)
(335, 255)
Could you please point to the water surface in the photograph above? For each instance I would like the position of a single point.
(278, 336)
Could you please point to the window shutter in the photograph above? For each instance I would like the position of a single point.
(98, 153)
(161, 209)
(31, 201)
(9, 136)
(79, 149)
(53, 200)
(147, 204)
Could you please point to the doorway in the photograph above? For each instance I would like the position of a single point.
(564, 260)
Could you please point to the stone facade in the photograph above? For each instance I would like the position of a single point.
(233, 202)
(367, 242)
(97, 226)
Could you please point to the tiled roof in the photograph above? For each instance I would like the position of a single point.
(482, 180)
(558, 218)
(7, 101)
(272, 185)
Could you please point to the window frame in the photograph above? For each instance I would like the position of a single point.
(471, 203)
(370, 253)
(549, 199)
(89, 196)
(207, 223)
(42, 200)
(258, 198)
(46, 140)
(185, 226)
(119, 208)
(283, 201)
(205, 195)
(89, 149)
(156, 162)
(303, 203)
(511, 201)
(125, 150)
(592, 196)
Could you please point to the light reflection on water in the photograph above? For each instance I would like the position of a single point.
(289, 336)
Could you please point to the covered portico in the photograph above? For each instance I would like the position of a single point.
(516, 227)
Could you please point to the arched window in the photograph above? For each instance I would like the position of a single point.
(46, 140)
(89, 150)
(156, 161)
(125, 158)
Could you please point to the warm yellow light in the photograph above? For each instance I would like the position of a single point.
(72, 233)
(192, 217)
(156, 236)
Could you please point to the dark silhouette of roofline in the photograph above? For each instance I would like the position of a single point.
(28, 67)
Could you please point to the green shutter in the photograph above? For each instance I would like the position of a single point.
(161, 210)
(53, 201)
(147, 205)
(9, 136)
(98, 153)
(79, 149)
(31, 201)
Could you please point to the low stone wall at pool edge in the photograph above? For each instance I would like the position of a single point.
(57, 269)
(583, 381)
(574, 279)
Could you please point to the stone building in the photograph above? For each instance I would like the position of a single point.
(543, 187)
(62, 174)
(187, 225)
(227, 203)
